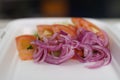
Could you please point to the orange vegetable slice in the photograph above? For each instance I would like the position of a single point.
(80, 22)
(68, 29)
(24, 47)
(45, 30)
(48, 30)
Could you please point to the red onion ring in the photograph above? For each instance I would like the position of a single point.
(94, 48)
(65, 55)
(87, 53)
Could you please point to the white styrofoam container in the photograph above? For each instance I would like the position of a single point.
(12, 68)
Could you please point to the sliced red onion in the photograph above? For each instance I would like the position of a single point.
(75, 43)
(45, 40)
(40, 55)
(38, 42)
(103, 59)
(54, 36)
(67, 51)
(91, 38)
(37, 53)
(97, 64)
(53, 42)
(86, 41)
(81, 33)
(63, 33)
(67, 39)
(87, 53)
(64, 50)
(107, 56)
(58, 60)
(95, 43)
(105, 40)
(99, 55)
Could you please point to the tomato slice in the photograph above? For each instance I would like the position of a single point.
(68, 29)
(79, 52)
(24, 47)
(80, 22)
(45, 30)
(72, 28)
(48, 30)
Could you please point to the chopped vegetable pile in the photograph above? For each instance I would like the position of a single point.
(58, 43)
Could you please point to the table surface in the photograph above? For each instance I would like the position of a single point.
(3, 23)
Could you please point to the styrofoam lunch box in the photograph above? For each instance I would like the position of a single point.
(12, 68)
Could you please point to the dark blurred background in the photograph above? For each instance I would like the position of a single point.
(10, 9)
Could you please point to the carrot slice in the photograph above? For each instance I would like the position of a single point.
(24, 47)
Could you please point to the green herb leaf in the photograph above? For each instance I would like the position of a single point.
(36, 35)
(29, 47)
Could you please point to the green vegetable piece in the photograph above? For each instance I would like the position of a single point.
(36, 35)
(29, 47)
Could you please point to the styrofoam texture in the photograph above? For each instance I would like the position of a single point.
(12, 68)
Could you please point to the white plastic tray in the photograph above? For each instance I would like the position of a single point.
(12, 68)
